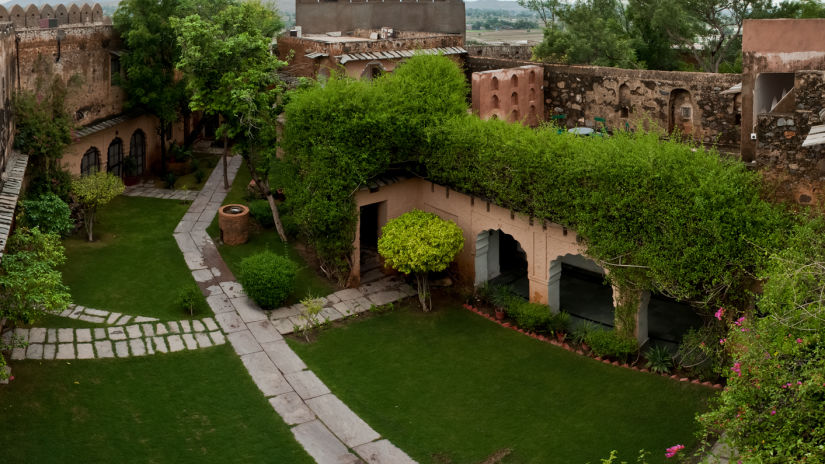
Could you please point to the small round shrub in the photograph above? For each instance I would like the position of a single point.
(610, 343)
(261, 212)
(48, 213)
(532, 316)
(268, 278)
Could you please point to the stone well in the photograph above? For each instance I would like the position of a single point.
(233, 221)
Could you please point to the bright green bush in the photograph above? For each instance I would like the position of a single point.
(609, 343)
(48, 213)
(559, 322)
(94, 191)
(189, 299)
(268, 278)
(531, 316)
(262, 213)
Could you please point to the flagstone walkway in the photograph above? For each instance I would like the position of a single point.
(150, 191)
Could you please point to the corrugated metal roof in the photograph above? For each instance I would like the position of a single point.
(102, 125)
(313, 55)
(815, 137)
(735, 89)
(396, 54)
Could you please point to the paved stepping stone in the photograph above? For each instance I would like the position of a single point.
(382, 298)
(65, 351)
(160, 344)
(291, 408)
(92, 319)
(329, 314)
(122, 349)
(104, 349)
(78, 310)
(117, 333)
(382, 452)
(65, 335)
(100, 334)
(173, 327)
(83, 335)
(185, 326)
(340, 419)
(202, 275)
(51, 335)
(161, 329)
(307, 384)
(283, 326)
(286, 311)
(175, 343)
(264, 331)
(34, 351)
(140, 319)
(282, 355)
(18, 353)
(197, 326)
(150, 346)
(49, 351)
(244, 343)
(232, 289)
(217, 337)
(230, 322)
(124, 320)
(37, 335)
(248, 310)
(137, 346)
(347, 294)
(265, 375)
(189, 339)
(322, 445)
(220, 303)
(203, 340)
(148, 330)
(85, 351)
(133, 331)
(96, 312)
(113, 317)
(210, 324)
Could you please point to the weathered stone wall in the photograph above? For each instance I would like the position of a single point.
(628, 97)
(80, 54)
(316, 17)
(8, 80)
(512, 52)
(32, 16)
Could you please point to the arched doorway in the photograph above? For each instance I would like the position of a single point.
(114, 158)
(680, 112)
(137, 151)
(373, 70)
(577, 286)
(90, 163)
(500, 260)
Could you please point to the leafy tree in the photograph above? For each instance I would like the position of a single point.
(799, 9)
(94, 191)
(149, 64)
(595, 32)
(48, 213)
(419, 243)
(231, 73)
(547, 10)
(651, 41)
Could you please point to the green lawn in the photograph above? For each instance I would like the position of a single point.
(450, 386)
(198, 407)
(134, 265)
(307, 280)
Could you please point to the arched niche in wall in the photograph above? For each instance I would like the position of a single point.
(17, 16)
(494, 83)
(46, 12)
(97, 13)
(32, 16)
(62, 14)
(74, 14)
(624, 100)
(4, 15)
(680, 111)
(85, 14)
(514, 81)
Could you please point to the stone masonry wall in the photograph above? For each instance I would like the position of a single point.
(446, 16)
(627, 97)
(32, 16)
(8, 80)
(513, 52)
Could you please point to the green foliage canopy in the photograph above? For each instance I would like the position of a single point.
(420, 242)
(94, 191)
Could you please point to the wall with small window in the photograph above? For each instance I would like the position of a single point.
(511, 94)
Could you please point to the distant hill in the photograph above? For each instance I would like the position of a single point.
(493, 5)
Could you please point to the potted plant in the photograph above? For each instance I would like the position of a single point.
(500, 313)
(130, 176)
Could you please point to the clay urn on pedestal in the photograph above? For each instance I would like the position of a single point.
(233, 220)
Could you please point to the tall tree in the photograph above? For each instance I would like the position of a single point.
(548, 10)
(149, 64)
(231, 73)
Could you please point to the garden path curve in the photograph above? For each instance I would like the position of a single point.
(320, 422)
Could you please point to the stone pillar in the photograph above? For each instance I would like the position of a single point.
(538, 292)
(554, 286)
(640, 299)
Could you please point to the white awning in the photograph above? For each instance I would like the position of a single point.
(733, 90)
(815, 137)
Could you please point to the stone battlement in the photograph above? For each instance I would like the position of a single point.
(48, 16)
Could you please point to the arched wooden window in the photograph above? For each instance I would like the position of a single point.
(137, 151)
(114, 160)
(90, 163)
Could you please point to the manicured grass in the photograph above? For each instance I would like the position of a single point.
(307, 280)
(450, 386)
(134, 265)
(198, 407)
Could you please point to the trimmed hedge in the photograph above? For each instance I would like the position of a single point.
(268, 278)
(610, 343)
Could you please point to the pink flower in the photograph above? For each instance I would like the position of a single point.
(798, 340)
(719, 313)
(773, 412)
(670, 452)
(722, 341)
(740, 320)
(737, 368)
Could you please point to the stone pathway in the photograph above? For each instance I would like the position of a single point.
(98, 316)
(116, 341)
(150, 191)
(321, 422)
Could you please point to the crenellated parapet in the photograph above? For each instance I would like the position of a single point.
(47, 16)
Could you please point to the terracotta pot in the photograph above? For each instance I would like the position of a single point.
(233, 221)
(499, 314)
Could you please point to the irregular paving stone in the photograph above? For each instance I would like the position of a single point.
(340, 419)
(284, 358)
(265, 375)
(22, 334)
(122, 349)
(49, 351)
(286, 311)
(137, 346)
(382, 298)
(100, 333)
(92, 319)
(124, 320)
(333, 299)
(133, 331)
(243, 342)
(117, 333)
(247, 309)
(322, 445)
(66, 312)
(18, 353)
(173, 327)
(34, 351)
(160, 329)
(65, 351)
(382, 452)
(210, 324)
(189, 339)
(185, 326)
(175, 343)
(65, 335)
(291, 408)
(160, 344)
(104, 349)
(203, 339)
(51, 335)
(96, 312)
(83, 335)
(264, 331)
(347, 294)
(197, 326)
(220, 303)
(283, 326)
(113, 317)
(232, 289)
(194, 260)
(185, 242)
(214, 290)
(148, 330)
(202, 275)
(307, 384)
(85, 351)
(140, 319)
(78, 310)
(329, 314)
(217, 337)
(150, 347)
(346, 308)
(230, 322)
(37, 335)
